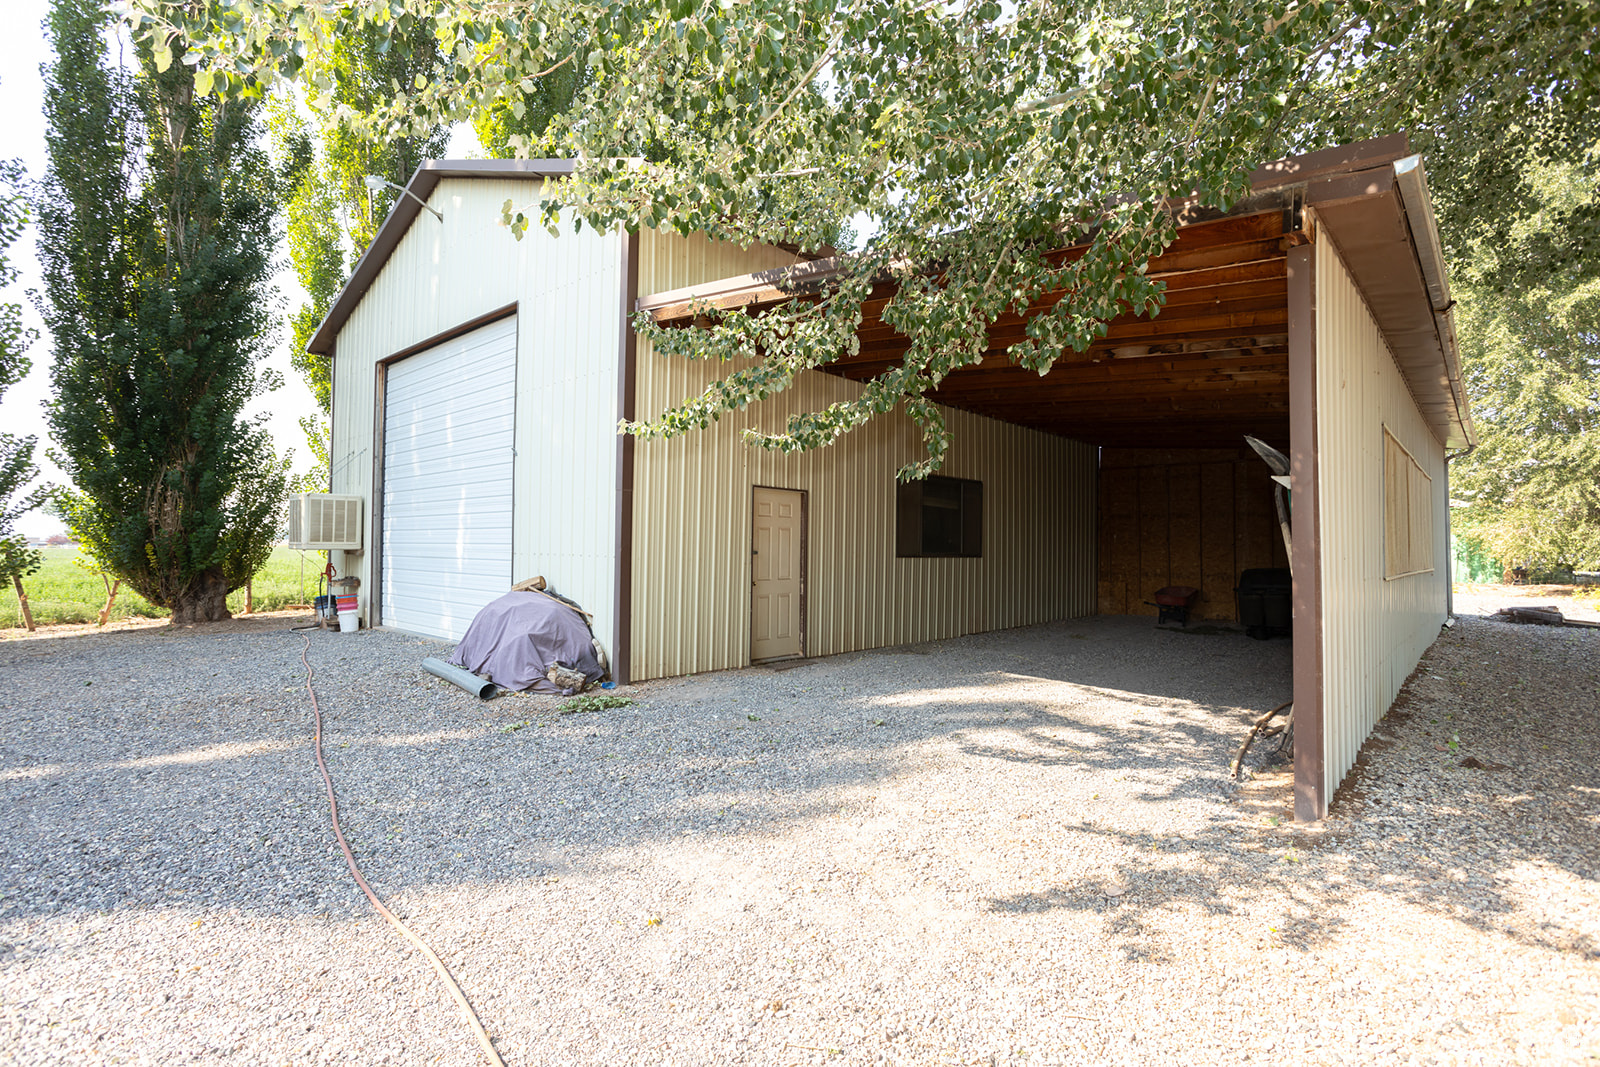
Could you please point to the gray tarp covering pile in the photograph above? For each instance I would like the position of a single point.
(515, 640)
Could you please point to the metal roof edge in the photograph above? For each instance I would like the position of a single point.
(762, 286)
(1359, 155)
(424, 180)
(1411, 182)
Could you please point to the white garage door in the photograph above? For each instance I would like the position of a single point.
(449, 414)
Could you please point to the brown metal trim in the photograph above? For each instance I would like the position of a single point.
(1310, 761)
(381, 385)
(380, 379)
(502, 312)
(423, 182)
(333, 394)
(627, 382)
(1351, 188)
(805, 567)
(1376, 152)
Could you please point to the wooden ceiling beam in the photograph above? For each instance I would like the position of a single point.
(1259, 343)
(1263, 382)
(1090, 399)
(1273, 289)
(1200, 321)
(1199, 353)
(1131, 370)
(1204, 277)
(1074, 421)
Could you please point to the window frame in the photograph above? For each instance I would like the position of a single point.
(1407, 511)
(912, 530)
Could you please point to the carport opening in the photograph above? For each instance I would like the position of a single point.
(1168, 401)
(1193, 517)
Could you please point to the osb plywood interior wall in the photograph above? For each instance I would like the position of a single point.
(1194, 517)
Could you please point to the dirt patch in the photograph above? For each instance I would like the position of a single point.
(255, 622)
(1575, 601)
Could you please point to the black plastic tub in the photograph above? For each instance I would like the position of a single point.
(1263, 596)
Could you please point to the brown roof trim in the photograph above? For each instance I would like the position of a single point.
(1269, 184)
(1362, 155)
(422, 184)
(1381, 221)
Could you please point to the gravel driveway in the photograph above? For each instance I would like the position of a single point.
(1014, 848)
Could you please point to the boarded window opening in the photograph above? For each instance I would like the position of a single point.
(939, 517)
(1407, 512)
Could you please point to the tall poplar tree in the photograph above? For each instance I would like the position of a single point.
(155, 234)
(17, 467)
(331, 214)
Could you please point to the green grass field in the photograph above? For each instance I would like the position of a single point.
(63, 592)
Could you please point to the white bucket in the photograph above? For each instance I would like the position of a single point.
(349, 622)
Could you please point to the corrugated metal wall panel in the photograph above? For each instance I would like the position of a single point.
(1373, 630)
(692, 518)
(568, 292)
(668, 261)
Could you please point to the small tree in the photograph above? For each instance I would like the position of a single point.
(156, 226)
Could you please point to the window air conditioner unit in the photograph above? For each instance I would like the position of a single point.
(321, 521)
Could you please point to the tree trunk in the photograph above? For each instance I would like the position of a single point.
(111, 598)
(249, 595)
(205, 601)
(22, 598)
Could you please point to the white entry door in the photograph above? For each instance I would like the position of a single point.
(778, 591)
(448, 418)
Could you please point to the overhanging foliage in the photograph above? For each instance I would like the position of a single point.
(976, 139)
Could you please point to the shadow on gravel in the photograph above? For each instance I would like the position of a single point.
(182, 776)
(146, 769)
(1505, 844)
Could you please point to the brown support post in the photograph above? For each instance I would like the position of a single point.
(1310, 777)
(627, 376)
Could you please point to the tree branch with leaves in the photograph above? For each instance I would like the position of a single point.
(978, 140)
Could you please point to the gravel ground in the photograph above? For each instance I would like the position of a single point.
(1014, 848)
(1488, 599)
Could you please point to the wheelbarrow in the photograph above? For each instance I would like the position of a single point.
(1174, 602)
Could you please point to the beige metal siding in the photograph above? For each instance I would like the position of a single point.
(668, 261)
(1374, 630)
(568, 296)
(692, 519)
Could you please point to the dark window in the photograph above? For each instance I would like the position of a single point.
(939, 517)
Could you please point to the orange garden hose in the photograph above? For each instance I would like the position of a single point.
(350, 860)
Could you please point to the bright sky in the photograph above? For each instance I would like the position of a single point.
(22, 136)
